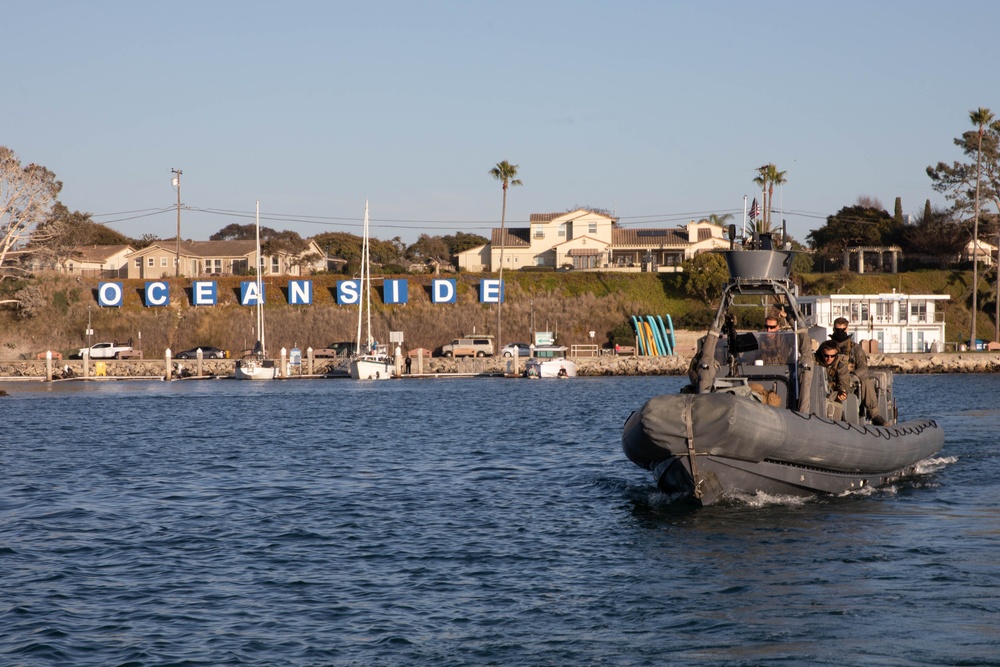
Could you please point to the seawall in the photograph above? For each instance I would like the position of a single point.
(608, 365)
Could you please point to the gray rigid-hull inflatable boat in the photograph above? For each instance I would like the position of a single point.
(757, 418)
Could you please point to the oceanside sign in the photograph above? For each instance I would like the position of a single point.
(156, 293)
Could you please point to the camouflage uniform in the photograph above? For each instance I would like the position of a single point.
(857, 363)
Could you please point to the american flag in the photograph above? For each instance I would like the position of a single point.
(754, 209)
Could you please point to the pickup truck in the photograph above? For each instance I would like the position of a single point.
(105, 350)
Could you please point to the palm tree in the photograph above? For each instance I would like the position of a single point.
(506, 173)
(981, 117)
(767, 177)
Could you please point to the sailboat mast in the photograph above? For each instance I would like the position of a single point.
(368, 284)
(260, 288)
(361, 285)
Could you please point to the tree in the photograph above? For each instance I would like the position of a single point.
(506, 173)
(705, 275)
(956, 181)
(897, 214)
(767, 177)
(851, 227)
(26, 197)
(429, 248)
(935, 236)
(340, 244)
(59, 236)
(718, 220)
(461, 242)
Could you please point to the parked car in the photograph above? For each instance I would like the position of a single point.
(105, 350)
(471, 346)
(207, 352)
(520, 349)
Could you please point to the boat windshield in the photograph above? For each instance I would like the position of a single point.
(772, 348)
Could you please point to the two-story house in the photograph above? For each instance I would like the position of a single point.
(583, 239)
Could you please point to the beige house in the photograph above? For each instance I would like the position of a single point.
(586, 240)
(985, 252)
(101, 261)
(91, 261)
(218, 258)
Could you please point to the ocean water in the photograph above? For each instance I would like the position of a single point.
(465, 522)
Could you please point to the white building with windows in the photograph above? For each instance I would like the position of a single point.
(899, 322)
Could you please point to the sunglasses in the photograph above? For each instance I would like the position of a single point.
(772, 326)
(830, 356)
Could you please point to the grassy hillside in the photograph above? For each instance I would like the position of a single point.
(570, 303)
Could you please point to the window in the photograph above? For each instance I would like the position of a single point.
(592, 228)
(918, 311)
(883, 312)
(539, 232)
(859, 312)
(562, 230)
(150, 262)
(138, 263)
(163, 261)
(275, 265)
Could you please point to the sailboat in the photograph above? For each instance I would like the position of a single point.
(373, 362)
(254, 365)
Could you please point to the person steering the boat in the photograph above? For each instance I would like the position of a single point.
(771, 349)
(838, 377)
(857, 363)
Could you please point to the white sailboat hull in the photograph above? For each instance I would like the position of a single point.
(372, 369)
(250, 369)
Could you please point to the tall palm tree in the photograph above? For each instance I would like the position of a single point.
(767, 177)
(981, 117)
(774, 177)
(506, 173)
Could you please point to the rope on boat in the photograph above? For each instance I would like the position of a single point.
(688, 416)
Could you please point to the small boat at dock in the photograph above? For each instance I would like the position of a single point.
(549, 361)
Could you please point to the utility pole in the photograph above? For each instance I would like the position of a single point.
(177, 259)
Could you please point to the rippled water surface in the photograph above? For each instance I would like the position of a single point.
(465, 522)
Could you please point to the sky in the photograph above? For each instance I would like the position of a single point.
(657, 111)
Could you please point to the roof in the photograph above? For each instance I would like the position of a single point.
(649, 237)
(549, 217)
(204, 248)
(99, 253)
(518, 237)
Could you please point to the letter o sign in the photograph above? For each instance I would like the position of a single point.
(109, 295)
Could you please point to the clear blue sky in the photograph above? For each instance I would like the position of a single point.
(659, 111)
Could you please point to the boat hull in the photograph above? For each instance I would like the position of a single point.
(255, 370)
(741, 446)
(372, 369)
(549, 368)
